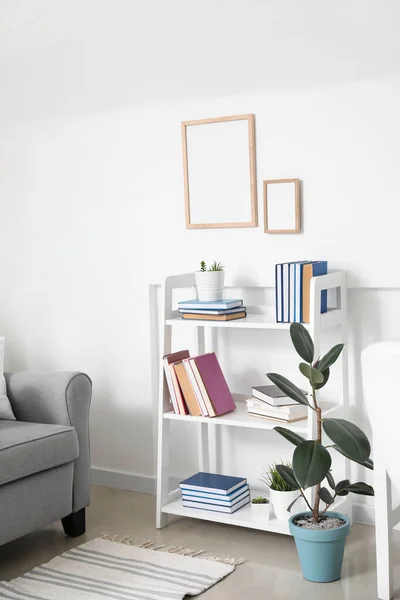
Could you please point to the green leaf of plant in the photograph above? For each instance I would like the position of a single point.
(291, 436)
(330, 357)
(325, 374)
(311, 463)
(340, 489)
(361, 488)
(288, 388)
(302, 342)
(369, 464)
(325, 495)
(351, 440)
(287, 475)
(313, 375)
(331, 481)
(289, 508)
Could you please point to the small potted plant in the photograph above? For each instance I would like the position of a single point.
(282, 495)
(210, 282)
(319, 533)
(260, 507)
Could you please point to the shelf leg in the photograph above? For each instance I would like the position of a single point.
(162, 472)
(204, 457)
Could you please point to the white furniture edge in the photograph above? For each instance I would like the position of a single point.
(169, 502)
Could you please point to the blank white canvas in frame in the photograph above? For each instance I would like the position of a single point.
(219, 172)
(281, 206)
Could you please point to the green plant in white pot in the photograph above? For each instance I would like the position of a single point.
(320, 534)
(282, 495)
(210, 282)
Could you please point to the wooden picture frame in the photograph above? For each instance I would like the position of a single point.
(295, 219)
(250, 169)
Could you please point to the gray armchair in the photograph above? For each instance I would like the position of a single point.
(44, 454)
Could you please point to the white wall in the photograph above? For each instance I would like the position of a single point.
(92, 213)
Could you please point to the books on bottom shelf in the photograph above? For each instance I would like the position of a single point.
(221, 310)
(197, 385)
(212, 492)
(292, 289)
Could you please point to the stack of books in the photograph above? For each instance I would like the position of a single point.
(197, 385)
(218, 493)
(222, 310)
(292, 289)
(270, 403)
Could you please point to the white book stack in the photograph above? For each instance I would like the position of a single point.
(270, 403)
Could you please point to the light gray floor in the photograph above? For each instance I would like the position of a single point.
(271, 570)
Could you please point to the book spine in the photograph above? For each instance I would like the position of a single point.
(195, 387)
(278, 293)
(170, 386)
(182, 408)
(286, 292)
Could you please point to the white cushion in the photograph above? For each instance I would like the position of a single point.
(6, 412)
(380, 366)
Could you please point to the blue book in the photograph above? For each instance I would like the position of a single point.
(212, 501)
(218, 305)
(215, 507)
(211, 482)
(210, 496)
(210, 311)
(279, 293)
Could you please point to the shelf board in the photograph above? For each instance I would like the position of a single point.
(244, 517)
(241, 418)
(256, 321)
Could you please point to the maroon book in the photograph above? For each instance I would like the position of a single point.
(215, 383)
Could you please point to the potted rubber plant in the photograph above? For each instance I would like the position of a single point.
(210, 282)
(281, 493)
(319, 533)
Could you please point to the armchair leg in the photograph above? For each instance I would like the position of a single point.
(75, 523)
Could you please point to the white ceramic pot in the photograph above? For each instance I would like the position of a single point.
(210, 285)
(261, 511)
(281, 500)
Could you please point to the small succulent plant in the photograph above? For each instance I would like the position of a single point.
(260, 500)
(215, 266)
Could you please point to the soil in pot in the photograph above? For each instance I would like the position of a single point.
(323, 524)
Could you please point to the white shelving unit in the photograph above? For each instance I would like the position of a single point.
(169, 502)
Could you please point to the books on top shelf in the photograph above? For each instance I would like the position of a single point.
(292, 289)
(222, 310)
(269, 401)
(219, 493)
(197, 385)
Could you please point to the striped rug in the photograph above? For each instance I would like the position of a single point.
(104, 569)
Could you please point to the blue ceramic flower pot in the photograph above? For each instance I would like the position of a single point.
(320, 551)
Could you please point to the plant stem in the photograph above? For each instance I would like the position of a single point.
(315, 510)
(306, 501)
(327, 506)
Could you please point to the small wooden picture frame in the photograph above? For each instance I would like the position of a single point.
(282, 206)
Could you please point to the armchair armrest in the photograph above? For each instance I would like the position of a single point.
(61, 398)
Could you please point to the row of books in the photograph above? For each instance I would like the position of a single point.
(197, 385)
(269, 402)
(217, 493)
(292, 289)
(221, 310)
